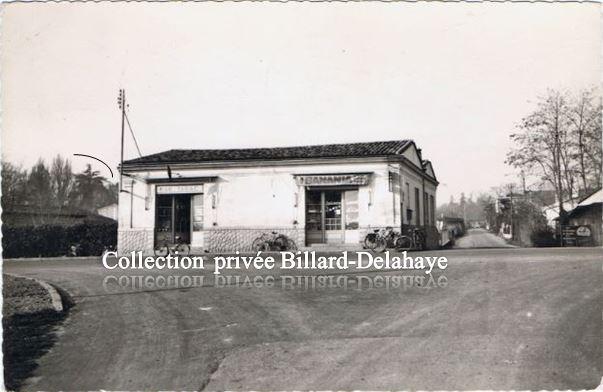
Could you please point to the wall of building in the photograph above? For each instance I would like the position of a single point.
(590, 216)
(244, 202)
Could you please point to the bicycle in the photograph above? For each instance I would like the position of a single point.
(414, 241)
(273, 242)
(381, 239)
(180, 247)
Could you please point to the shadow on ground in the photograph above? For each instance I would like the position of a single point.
(26, 337)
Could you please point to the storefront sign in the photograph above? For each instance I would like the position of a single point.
(333, 179)
(179, 189)
(583, 231)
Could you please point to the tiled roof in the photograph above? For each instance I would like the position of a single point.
(348, 150)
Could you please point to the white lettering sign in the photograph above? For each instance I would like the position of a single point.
(333, 179)
(178, 189)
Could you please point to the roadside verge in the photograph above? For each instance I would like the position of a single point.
(33, 311)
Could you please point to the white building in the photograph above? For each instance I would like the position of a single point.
(220, 200)
(110, 211)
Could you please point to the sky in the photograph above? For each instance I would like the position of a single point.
(456, 78)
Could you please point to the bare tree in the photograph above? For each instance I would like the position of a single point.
(585, 120)
(62, 180)
(14, 185)
(542, 148)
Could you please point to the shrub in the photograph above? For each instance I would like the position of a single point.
(91, 238)
(543, 236)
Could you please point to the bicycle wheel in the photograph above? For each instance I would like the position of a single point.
(161, 250)
(291, 245)
(280, 243)
(381, 245)
(257, 244)
(182, 249)
(419, 241)
(370, 241)
(403, 243)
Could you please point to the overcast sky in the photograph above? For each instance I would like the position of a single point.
(456, 78)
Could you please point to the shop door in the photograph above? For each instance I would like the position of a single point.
(324, 217)
(332, 208)
(173, 218)
(182, 218)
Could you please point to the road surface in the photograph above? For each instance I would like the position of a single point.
(494, 319)
(480, 238)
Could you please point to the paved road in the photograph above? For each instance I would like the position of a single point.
(480, 238)
(494, 319)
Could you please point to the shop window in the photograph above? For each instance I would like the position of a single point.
(173, 218)
(351, 210)
(197, 204)
(164, 213)
(332, 210)
(313, 211)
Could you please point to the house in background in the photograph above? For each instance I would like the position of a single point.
(110, 211)
(27, 215)
(585, 220)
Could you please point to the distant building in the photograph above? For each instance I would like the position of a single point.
(26, 215)
(110, 211)
(551, 211)
(450, 228)
(585, 220)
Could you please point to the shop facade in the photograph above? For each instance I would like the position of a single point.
(221, 200)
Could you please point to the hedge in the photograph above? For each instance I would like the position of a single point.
(89, 238)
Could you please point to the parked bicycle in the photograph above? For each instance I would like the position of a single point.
(414, 240)
(165, 248)
(381, 239)
(273, 242)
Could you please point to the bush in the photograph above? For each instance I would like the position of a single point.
(90, 238)
(543, 237)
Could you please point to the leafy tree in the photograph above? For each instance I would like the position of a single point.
(39, 188)
(89, 189)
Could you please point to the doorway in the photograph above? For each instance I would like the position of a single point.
(324, 217)
(173, 218)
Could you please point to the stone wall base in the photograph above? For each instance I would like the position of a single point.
(233, 239)
(129, 240)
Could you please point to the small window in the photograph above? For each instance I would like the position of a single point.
(417, 207)
(197, 201)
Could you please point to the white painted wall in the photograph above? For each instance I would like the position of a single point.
(264, 197)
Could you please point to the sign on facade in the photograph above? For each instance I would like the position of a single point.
(333, 179)
(583, 231)
(179, 189)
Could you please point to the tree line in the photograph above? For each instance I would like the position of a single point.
(466, 207)
(55, 186)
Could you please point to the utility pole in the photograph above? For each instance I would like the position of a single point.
(121, 102)
(523, 182)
